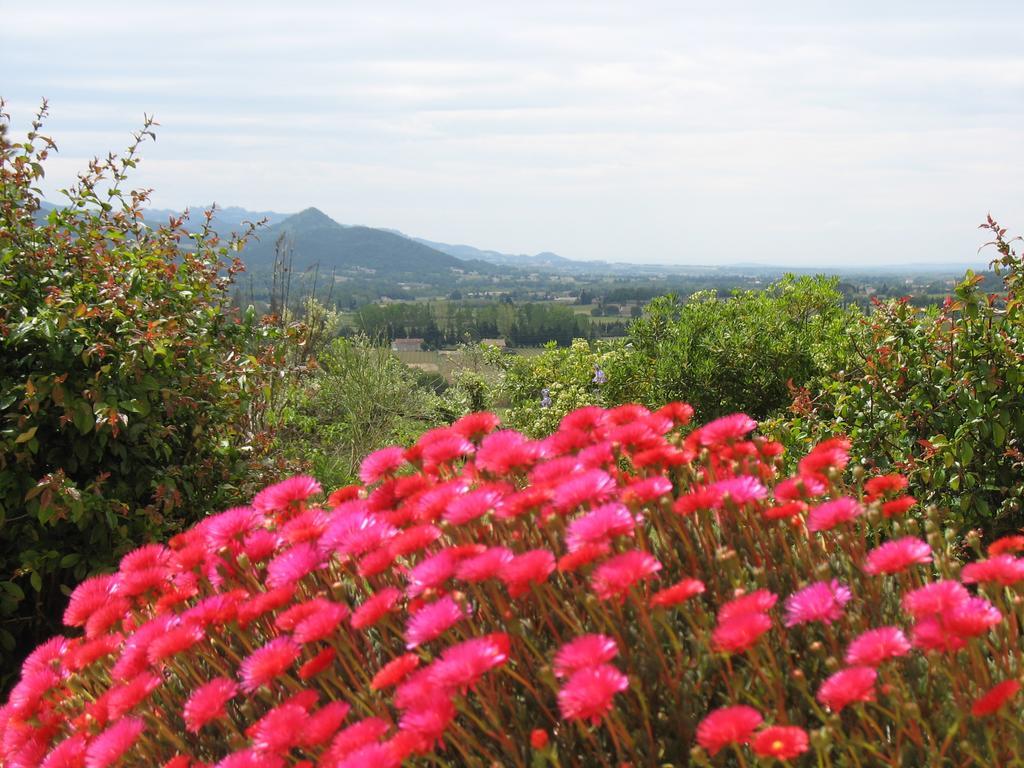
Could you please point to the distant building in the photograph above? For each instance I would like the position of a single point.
(407, 345)
(499, 343)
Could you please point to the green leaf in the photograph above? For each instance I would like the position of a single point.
(36, 581)
(68, 560)
(6, 640)
(83, 417)
(966, 453)
(998, 433)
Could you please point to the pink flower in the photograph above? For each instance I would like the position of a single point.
(264, 664)
(614, 578)
(871, 648)
(647, 490)
(431, 572)
(934, 598)
(428, 721)
(974, 616)
(282, 496)
(292, 565)
(462, 665)
(324, 723)
(504, 452)
(677, 593)
(356, 736)
(584, 651)
(320, 624)
(472, 505)
(486, 565)
(740, 490)
(589, 692)
(70, 753)
(1004, 570)
(532, 567)
(726, 429)
(432, 620)
(317, 664)
(88, 597)
(848, 686)
(897, 555)
(929, 634)
(727, 725)
(280, 729)
(822, 601)
(413, 539)
(593, 486)
(828, 515)
(229, 528)
(599, 525)
(107, 748)
(381, 463)
(124, 698)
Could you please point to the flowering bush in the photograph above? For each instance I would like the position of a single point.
(614, 594)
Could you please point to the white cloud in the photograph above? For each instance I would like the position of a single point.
(796, 131)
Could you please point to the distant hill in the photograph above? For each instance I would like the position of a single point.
(545, 260)
(315, 238)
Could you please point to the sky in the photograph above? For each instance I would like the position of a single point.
(787, 133)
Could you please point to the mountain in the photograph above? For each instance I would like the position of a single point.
(315, 238)
(225, 220)
(545, 260)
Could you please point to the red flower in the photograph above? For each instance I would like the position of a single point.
(758, 601)
(783, 742)
(1006, 544)
(317, 664)
(532, 567)
(486, 565)
(589, 692)
(848, 686)
(503, 452)
(614, 578)
(320, 624)
(395, 671)
(1002, 569)
(677, 593)
(88, 597)
(207, 702)
(538, 738)
(727, 725)
(876, 487)
(740, 632)
(375, 607)
(990, 702)
(898, 507)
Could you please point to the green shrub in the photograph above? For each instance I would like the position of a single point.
(126, 384)
(357, 398)
(720, 355)
(939, 395)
